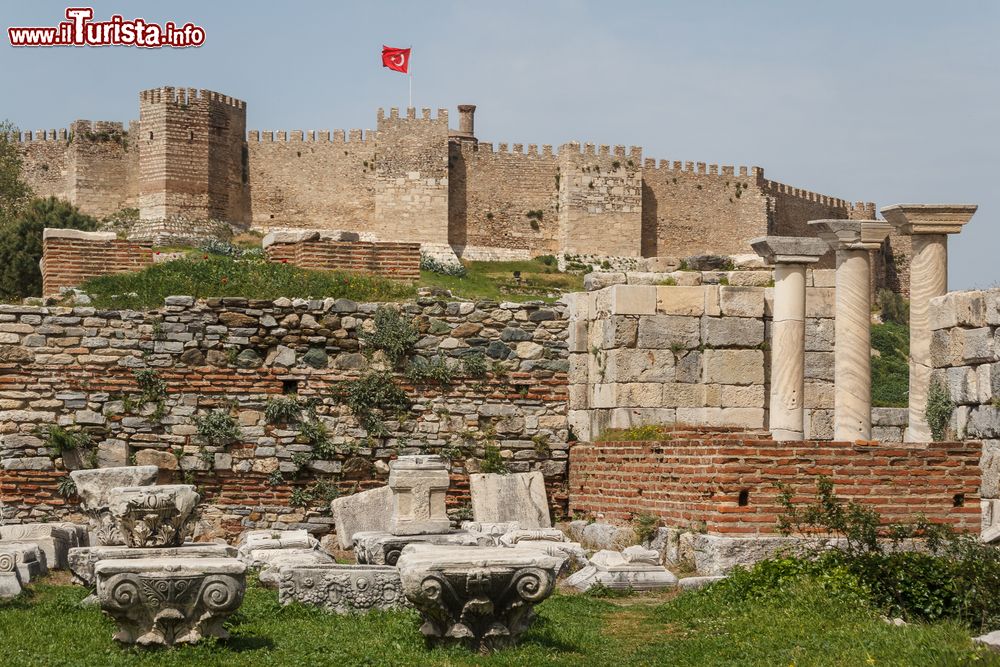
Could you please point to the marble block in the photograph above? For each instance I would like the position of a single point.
(29, 560)
(481, 598)
(360, 512)
(419, 487)
(82, 560)
(255, 540)
(53, 539)
(516, 497)
(272, 561)
(491, 529)
(94, 486)
(636, 568)
(169, 601)
(10, 579)
(343, 589)
(384, 548)
(154, 516)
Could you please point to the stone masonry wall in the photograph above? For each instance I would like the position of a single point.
(693, 352)
(725, 483)
(965, 354)
(400, 261)
(70, 257)
(81, 368)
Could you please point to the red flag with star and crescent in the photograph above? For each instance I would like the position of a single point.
(396, 59)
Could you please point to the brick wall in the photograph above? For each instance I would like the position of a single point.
(74, 367)
(69, 257)
(400, 261)
(725, 482)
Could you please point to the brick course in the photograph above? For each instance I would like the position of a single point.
(69, 260)
(400, 261)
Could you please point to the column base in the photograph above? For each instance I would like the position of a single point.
(785, 434)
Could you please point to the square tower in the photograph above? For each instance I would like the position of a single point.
(193, 158)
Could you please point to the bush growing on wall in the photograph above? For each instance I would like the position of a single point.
(21, 244)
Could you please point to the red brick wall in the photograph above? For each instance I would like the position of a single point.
(400, 261)
(67, 262)
(698, 477)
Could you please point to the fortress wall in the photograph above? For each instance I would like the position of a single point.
(312, 180)
(600, 200)
(45, 155)
(100, 160)
(69, 257)
(692, 209)
(492, 192)
(411, 177)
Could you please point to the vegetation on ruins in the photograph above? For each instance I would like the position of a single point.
(939, 409)
(393, 335)
(893, 307)
(60, 439)
(431, 264)
(475, 366)
(21, 243)
(217, 428)
(538, 278)
(917, 570)
(493, 461)
(207, 275)
(421, 370)
(373, 398)
(15, 193)
(283, 409)
(890, 365)
(634, 433)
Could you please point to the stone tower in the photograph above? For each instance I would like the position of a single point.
(193, 159)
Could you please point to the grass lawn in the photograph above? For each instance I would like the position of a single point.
(495, 280)
(803, 627)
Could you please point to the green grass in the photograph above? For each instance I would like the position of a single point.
(495, 280)
(204, 276)
(803, 627)
(890, 370)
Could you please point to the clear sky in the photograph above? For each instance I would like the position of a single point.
(887, 101)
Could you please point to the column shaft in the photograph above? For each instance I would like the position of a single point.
(928, 279)
(852, 347)
(788, 352)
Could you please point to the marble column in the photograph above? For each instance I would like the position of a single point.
(852, 392)
(928, 226)
(789, 255)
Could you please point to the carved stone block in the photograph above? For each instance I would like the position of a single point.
(52, 538)
(10, 580)
(482, 598)
(82, 560)
(94, 487)
(343, 589)
(517, 497)
(419, 485)
(367, 511)
(170, 600)
(384, 548)
(154, 516)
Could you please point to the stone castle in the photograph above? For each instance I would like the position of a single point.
(191, 169)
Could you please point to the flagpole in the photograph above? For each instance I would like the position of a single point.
(409, 74)
(410, 78)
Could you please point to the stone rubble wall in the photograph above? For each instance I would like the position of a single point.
(965, 354)
(74, 367)
(69, 257)
(693, 352)
(724, 483)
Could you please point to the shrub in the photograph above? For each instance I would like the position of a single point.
(493, 462)
(217, 428)
(15, 193)
(894, 307)
(475, 366)
(648, 432)
(421, 370)
(62, 440)
(453, 269)
(21, 244)
(645, 526)
(314, 431)
(392, 334)
(67, 487)
(939, 409)
(283, 409)
(372, 397)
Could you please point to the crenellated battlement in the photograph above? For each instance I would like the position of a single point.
(411, 114)
(774, 187)
(28, 136)
(573, 148)
(703, 169)
(188, 97)
(353, 136)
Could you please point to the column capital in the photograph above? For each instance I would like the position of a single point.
(852, 234)
(789, 249)
(913, 219)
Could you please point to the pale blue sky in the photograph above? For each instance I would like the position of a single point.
(891, 101)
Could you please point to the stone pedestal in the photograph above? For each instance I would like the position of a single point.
(419, 486)
(343, 589)
(853, 240)
(170, 601)
(365, 511)
(516, 497)
(929, 226)
(481, 598)
(789, 255)
(154, 516)
(83, 560)
(384, 548)
(94, 487)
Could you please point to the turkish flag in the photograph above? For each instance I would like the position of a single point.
(396, 59)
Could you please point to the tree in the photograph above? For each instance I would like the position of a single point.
(21, 244)
(14, 192)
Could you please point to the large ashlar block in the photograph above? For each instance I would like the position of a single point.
(741, 301)
(740, 367)
(419, 486)
(676, 300)
(989, 463)
(718, 416)
(365, 511)
(732, 331)
(680, 394)
(639, 365)
(617, 331)
(669, 332)
(821, 302)
(167, 601)
(516, 497)
(633, 299)
(750, 396)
